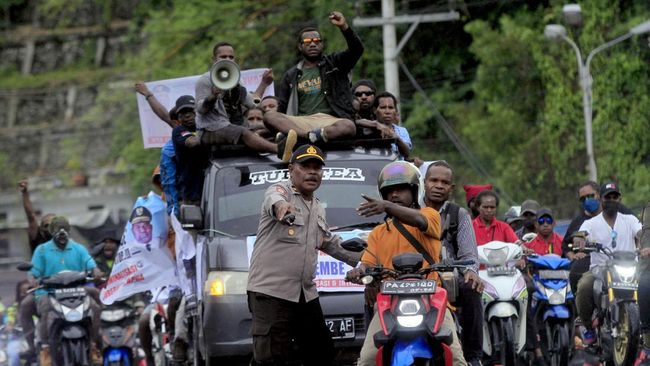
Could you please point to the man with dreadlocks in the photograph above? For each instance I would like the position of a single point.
(399, 184)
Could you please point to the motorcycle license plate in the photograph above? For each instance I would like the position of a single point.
(415, 287)
(501, 271)
(341, 328)
(624, 286)
(69, 292)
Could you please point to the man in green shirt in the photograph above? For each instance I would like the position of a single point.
(314, 96)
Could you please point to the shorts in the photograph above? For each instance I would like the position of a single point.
(226, 135)
(313, 121)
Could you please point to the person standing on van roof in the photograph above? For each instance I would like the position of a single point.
(282, 294)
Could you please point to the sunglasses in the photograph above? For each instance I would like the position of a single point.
(315, 40)
(590, 195)
(362, 93)
(545, 220)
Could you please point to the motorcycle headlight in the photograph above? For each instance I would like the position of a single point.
(496, 257)
(408, 313)
(626, 273)
(112, 316)
(555, 297)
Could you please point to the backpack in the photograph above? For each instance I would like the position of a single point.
(450, 234)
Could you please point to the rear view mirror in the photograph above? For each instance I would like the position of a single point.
(354, 245)
(191, 217)
(24, 266)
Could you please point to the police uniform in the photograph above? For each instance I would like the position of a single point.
(282, 294)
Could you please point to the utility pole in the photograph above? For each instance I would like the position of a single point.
(391, 48)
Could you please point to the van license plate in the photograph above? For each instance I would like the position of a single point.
(341, 328)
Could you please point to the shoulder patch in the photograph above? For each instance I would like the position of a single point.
(282, 191)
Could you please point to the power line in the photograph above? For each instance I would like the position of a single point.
(462, 148)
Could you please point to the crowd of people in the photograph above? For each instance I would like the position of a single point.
(316, 103)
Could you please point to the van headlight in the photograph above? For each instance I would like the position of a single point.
(408, 313)
(626, 273)
(226, 283)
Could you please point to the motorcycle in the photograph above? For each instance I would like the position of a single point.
(617, 312)
(411, 309)
(160, 343)
(70, 316)
(118, 326)
(12, 344)
(553, 305)
(505, 300)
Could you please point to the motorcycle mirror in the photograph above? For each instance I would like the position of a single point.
(24, 266)
(529, 237)
(366, 280)
(97, 249)
(354, 245)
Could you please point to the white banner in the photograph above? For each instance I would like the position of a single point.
(143, 260)
(185, 252)
(330, 272)
(155, 132)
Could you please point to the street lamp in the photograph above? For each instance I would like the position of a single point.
(556, 32)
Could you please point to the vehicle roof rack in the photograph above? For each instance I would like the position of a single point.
(227, 151)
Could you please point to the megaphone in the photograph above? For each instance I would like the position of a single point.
(224, 74)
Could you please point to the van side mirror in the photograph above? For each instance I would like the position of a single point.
(191, 217)
(354, 245)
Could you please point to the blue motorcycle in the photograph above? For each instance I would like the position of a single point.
(553, 307)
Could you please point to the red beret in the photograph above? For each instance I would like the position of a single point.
(471, 191)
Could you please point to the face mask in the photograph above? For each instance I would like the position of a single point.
(610, 208)
(591, 205)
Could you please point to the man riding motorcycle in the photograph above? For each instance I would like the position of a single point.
(615, 231)
(58, 254)
(399, 185)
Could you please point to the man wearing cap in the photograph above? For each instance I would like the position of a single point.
(192, 157)
(546, 241)
(282, 294)
(529, 216)
(141, 225)
(59, 254)
(512, 218)
(615, 231)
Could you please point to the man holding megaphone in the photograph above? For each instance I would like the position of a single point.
(314, 96)
(219, 98)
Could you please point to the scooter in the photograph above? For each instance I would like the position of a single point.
(553, 306)
(12, 344)
(70, 316)
(118, 326)
(160, 343)
(411, 309)
(505, 300)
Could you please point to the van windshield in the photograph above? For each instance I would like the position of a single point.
(239, 192)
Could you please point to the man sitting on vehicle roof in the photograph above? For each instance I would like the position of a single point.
(314, 95)
(385, 106)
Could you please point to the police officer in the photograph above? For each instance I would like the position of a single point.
(282, 294)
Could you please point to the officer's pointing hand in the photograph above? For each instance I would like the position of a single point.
(281, 209)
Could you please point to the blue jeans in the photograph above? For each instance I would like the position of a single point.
(13, 352)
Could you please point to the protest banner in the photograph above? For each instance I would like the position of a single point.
(330, 272)
(143, 260)
(155, 133)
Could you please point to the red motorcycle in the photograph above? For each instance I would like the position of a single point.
(411, 309)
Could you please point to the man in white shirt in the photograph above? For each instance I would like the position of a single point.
(614, 230)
